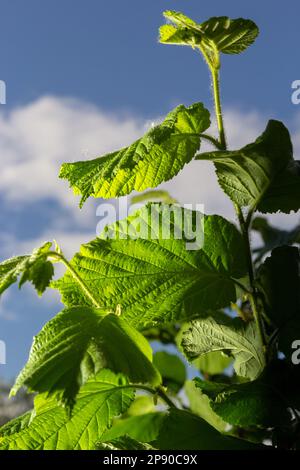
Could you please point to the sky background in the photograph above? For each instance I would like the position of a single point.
(87, 77)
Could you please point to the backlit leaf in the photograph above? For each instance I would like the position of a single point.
(221, 333)
(156, 157)
(218, 34)
(103, 397)
(77, 343)
(156, 277)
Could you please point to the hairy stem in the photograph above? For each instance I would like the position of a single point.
(218, 107)
(60, 257)
(244, 224)
(212, 140)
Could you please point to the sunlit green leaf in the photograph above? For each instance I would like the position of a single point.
(156, 157)
(103, 397)
(218, 34)
(77, 343)
(156, 277)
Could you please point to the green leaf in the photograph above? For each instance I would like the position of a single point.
(183, 430)
(262, 403)
(156, 157)
(212, 363)
(218, 34)
(77, 343)
(273, 237)
(248, 404)
(143, 428)
(171, 369)
(230, 36)
(34, 268)
(279, 285)
(103, 397)
(156, 278)
(199, 404)
(221, 333)
(262, 175)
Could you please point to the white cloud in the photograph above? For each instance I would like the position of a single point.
(35, 140)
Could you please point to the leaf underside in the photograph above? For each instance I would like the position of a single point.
(221, 333)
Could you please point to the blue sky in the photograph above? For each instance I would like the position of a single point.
(106, 52)
(85, 77)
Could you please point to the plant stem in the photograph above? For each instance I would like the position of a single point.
(162, 394)
(252, 297)
(60, 257)
(240, 215)
(249, 217)
(218, 107)
(244, 224)
(245, 234)
(159, 391)
(212, 140)
(258, 320)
